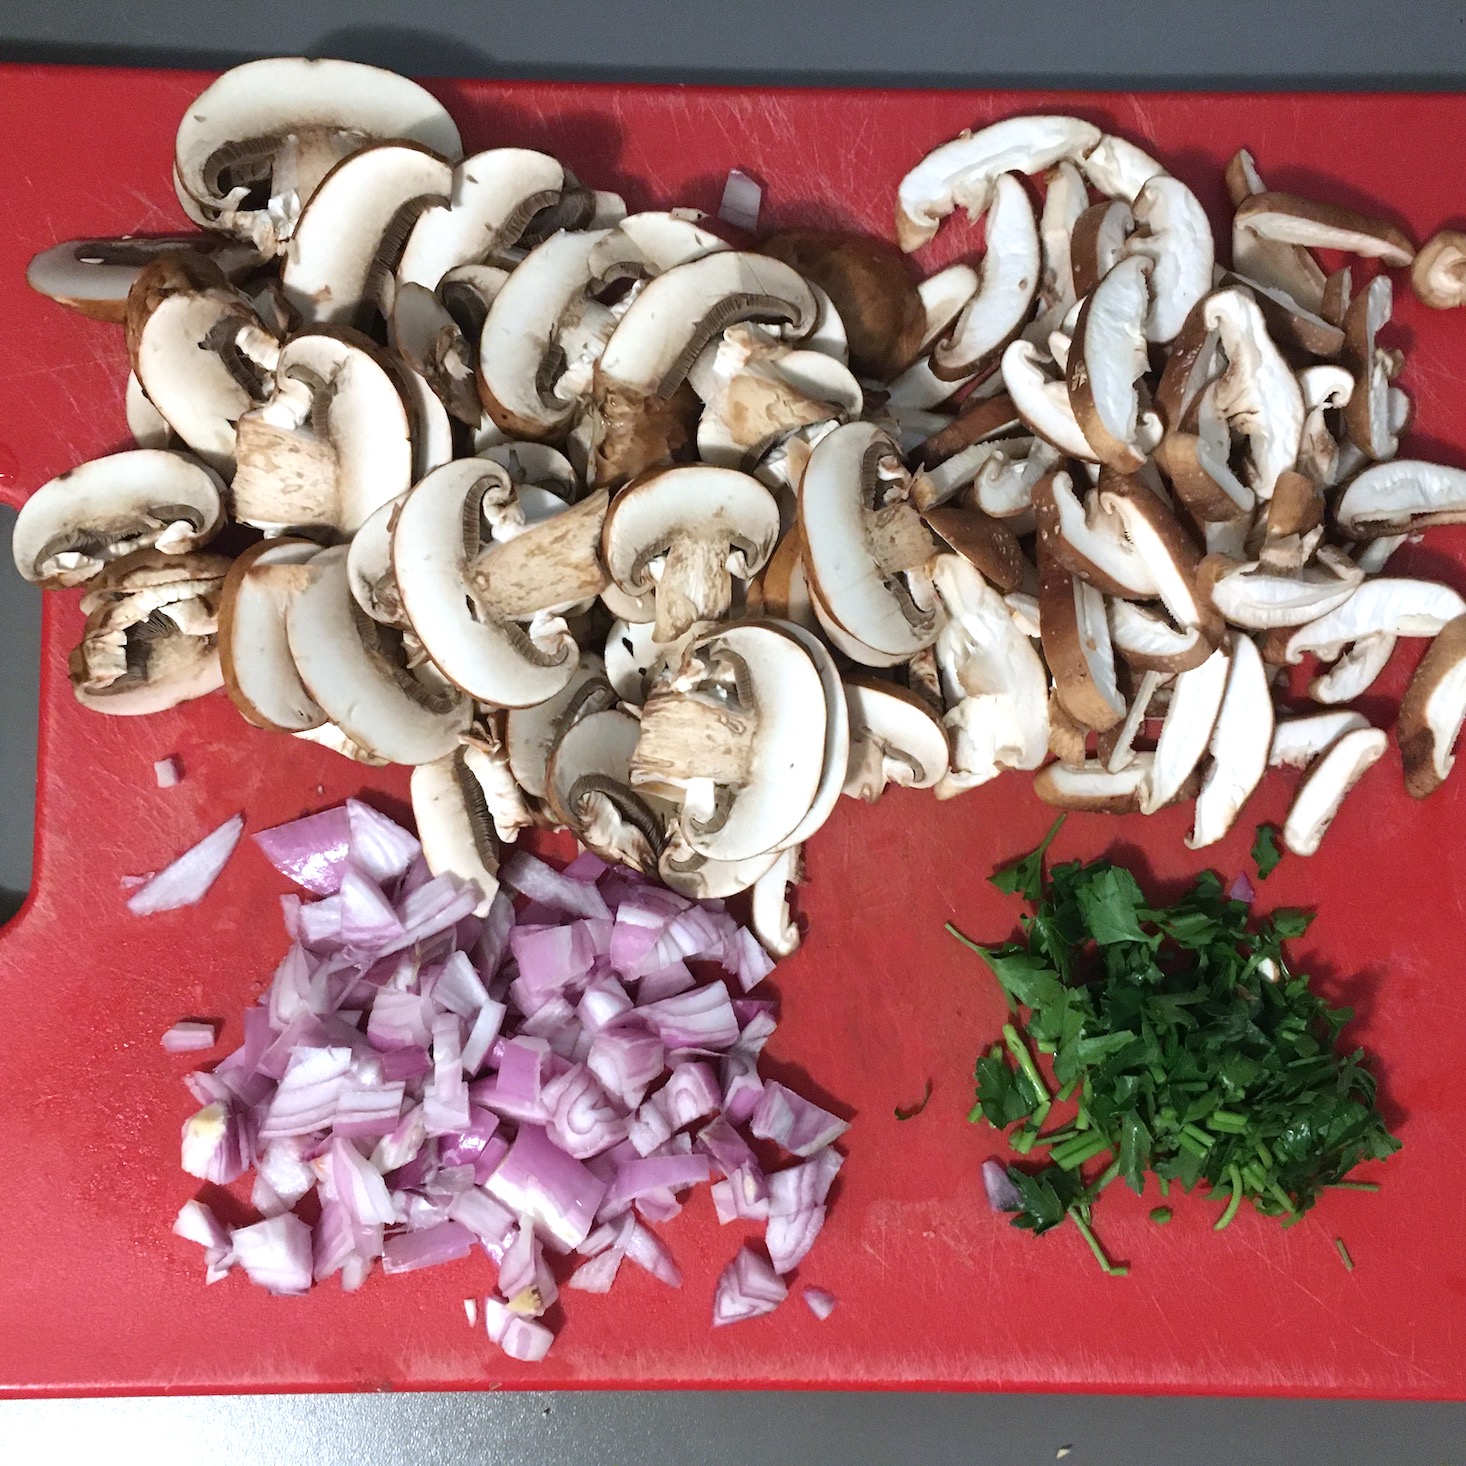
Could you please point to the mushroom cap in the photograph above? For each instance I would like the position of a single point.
(530, 733)
(1239, 746)
(1399, 497)
(857, 543)
(895, 738)
(1383, 605)
(248, 112)
(1432, 711)
(254, 651)
(109, 507)
(435, 542)
(986, 542)
(1323, 788)
(536, 465)
(355, 670)
(1438, 275)
(453, 823)
(837, 733)
(1175, 234)
(963, 172)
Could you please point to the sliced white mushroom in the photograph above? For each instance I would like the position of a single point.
(1091, 786)
(357, 671)
(1153, 528)
(1098, 242)
(421, 329)
(1239, 745)
(1118, 168)
(837, 734)
(530, 733)
(330, 737)
(1323, 789)
(963, 173)
(1043, 402)
(1248, 594)
(1432, 711)
(1196, 699)
(145, 498)
(769, 911)
(1065, 199)
(1291, 219)
(634, 657)
(1383, 606)
(1399, 497)
(1368, 415)
(895, 738)
(369, 567)
(1172, 230)
(1354, 672)
(693, 875)
(453, 822)
(1298, 741)
(944, 295)
(254, 653)
(1145, 639)
(651, 243)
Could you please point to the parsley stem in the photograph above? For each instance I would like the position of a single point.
(1165, 1185)
(1200, 1136)
(1019, 1050)
(1235, 1177)
(1022, 1139)
(1067, 1090)
(1110, 1173)
(1113, 1269)
(968, 942)
(1073, 1153)
(1229, 1122)
(1190, 1146)
(1344, 1253)
(1352, 1186)
(1282, 1198)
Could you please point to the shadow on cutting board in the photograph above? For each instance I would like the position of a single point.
(20, 673)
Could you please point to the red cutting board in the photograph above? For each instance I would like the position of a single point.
(935, 1290)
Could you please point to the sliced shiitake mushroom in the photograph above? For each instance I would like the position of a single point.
(1432, 711)
(1196, 699)
(1239, 745)
(1438, 275)
(1322, 791)
(1400, 497)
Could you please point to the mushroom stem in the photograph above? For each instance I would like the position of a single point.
(509, 578)
(690, 736)
(694, 586)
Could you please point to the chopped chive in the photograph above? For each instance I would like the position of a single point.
(1161, 1215)
(1189, 1145)
(1110, 1173)
(1264, 1154)
(1343, 1253)
(1066, 1092)
(1227, 1121)
(1282, 1198)
(1073, 1154)
(1200, 1136)
(1165, 1185)
(1022, 1139)
(1225, 1219)
(1112, 1269)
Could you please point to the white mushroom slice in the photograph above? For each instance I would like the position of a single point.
(1438, 275)
(740, 730)
(694, 875)
(1166, 548)
(1108, 359)
(1065, 199)
(943, 297)
(329, 447)
(429, 425)
(107, 508)
(276, 127)
(430, 341)
(1196, 699)
(1373, 555)
(1368, 415)
(1004, 485)
(1010, 277)
(465, 601)
(1323, 789)
(1098, 243)
(1239, 746)
(1091, 786)
(346, 243)
(1400, 497)
(588, 783)
(1289, 219)
(963, 173)
(837, 734)
(865, 547)
(493, 197)
(1386, 606)
(895, 738)
(1042, 402)
(839, 638)
(1248, 594)
(1432, 711)
(769, 911)
(1148, 642)
(519, 336)
(634, 657)
(651, 243)
(1120, 753)
(1298, 741)
(357, 671)
(1118, 168)
(453, 823)
(1172, 230)
(685, 533)
(1286, 267)
(148, 426)
(783, 590)
(1076, 643)
(369, 567)
(505, 803)
(535, 464)
(530, 734)
(1257, 394)
(1355, 671)
(254, 654)
(329, 736)
(1325, 389)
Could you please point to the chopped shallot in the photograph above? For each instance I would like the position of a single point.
(821, 1303)
(741, 200)
(168, 773)
(187, 880)
(188, 1037)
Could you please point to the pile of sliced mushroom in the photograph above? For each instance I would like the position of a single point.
(601, 521)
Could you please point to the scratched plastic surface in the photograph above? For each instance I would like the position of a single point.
(935, 1290)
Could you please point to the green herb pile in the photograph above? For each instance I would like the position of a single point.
(1191, 1050)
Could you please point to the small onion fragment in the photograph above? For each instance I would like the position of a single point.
(186, 881)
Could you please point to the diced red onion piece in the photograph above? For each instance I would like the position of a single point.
(367, 919)
(702, 1018)
(167, 772)
(217, 1145)
(312, 851)
(798, 1124)
(598, 1273)
(1002, 1193)
(445, 1101)
(743, 1087)
(751, 963)
(343, 1246)
(458, 987)
(797, 1188)
(538, 1180)
(283, 1167)
(747, 1288)
(431, 1247)
(542, 883)
(359, 1186)
(188, 1037)
(583, 1121)
(821, 1303)
(649, 1252)
(400, 1020)
(379, 846)
(275, 1253)
(587, 867)
(186, 881)
(491, 1223)
(525, 1339)
(306, 1097)
(666, 982)
(197, 1223)
(724, 1144)
(487, 1026)
(1242, 888)
(741, 200)
(789, 1238)
(627, 1061)
(691, 1094)
(638, 1176)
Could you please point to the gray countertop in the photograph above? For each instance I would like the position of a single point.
(1308, 44)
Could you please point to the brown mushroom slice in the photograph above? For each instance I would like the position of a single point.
(1296, 330)
(1116, 747)
(865, 547)
(145, 498)
(453, 822)
(1009, 281)
(650, 243)
(982, 540)
(895, 738)
(1325, 389)
(530, 733)
(1367, 415)
(357, 671)
(1298, 741)
(769, 909)
(369, 567)
(148, 426)
(1354, 672)
(1042, 402)
(1173, 232)
(1118, 168)
(94, 276)
(931, 487)
(255, 144)
(1098, 242)
(254, 652)
(1438, 275)
(1323, 788)
(1148, 642)
(492, 198)
(466, 601)
(685, 533)
(1239, 746)
(1286, 267)
(1196, 699)
(1089, 540)
(1400, 497)
(977, 423)
(1066, 197)
(943, 296)
(740, 731)
(1249, 595)
(1288, 218)
(1385, 605)
(431, 342)
(338, 267)
(964, 172)
(1076, 643)
(1157, 535)
(588, 783)
(1092, 787)
(689, 874)
(150, 641)
(329, 447)
(1432, 711)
